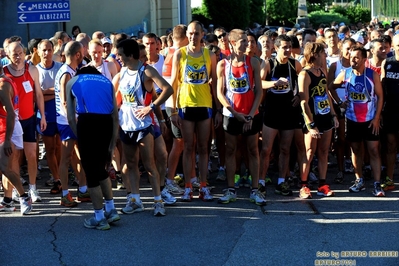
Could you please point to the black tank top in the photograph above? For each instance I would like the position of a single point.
(391, 84)
(318, 98)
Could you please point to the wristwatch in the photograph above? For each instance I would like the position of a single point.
(152, 106)
(312, 125)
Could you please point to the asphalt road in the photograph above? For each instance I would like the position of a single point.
(348, 228)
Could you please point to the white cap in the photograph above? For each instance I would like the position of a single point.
(358, 38)
(106, 40)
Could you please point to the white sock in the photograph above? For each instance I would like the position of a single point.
(281, 180)
(99, 214)
(32, 187)
(262, 182)
(109, 205)
(83, 189)
(136, 197)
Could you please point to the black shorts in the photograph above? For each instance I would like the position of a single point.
(338, 112)
(195, 114)
(134, 137)
(234, 127)
(322, 122)
(29, 129)
(359, 131)
(175, 130)
(279, 112)
(390, 123)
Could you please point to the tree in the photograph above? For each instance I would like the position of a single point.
(282, 12)
(354, 13)
(257, 12)
(228, 13)
(320, 17)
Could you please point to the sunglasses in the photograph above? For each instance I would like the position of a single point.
(221, 35)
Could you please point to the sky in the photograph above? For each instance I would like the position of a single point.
(196, 3)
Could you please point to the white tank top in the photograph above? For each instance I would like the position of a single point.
(60, 108)
(103, 69)
(159, 66)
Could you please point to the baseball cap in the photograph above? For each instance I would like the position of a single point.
(106, 40)
(358, 38)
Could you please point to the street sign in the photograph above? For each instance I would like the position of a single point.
(43, 12)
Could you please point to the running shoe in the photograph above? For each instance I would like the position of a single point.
(34, 194)
(268, 180)
(257, 197)
(112, 216)
(195, 185)
(388, 184)
(57, 188)
(7, 207)
(159, 208)
(367, 172)
(283, 189)
(23, 181)
(325, 191)
(339, 178)
(262, 189)
(187, 196)
(305, 193)
(358, 186)
(348, 167)
(179, 180)
(15, 195)
(167, 198)
(92, 223)
(205, 194)
(132, 206)
(378, 192)
(84, 196)
(174, 189)
(68, 201)
(50, 181)
(238, 181)
(228, 196)
(221, 175)
(26, 205)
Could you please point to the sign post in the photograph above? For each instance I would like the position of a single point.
(43, 12)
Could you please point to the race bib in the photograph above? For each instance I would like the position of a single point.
(27, 87)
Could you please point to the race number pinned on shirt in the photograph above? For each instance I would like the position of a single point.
(27, 87)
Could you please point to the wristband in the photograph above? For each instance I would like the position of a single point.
(172, 114)
(340, 103)
(311, 125)
(162, 121)
(249, 118)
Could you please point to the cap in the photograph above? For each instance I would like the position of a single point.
(297, 26)
(341, 24)
(358, 38)
(106, 40)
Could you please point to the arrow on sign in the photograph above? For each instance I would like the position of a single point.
(22, 17)
(22, 7)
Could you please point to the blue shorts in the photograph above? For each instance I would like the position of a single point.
(50, 131)
(29, 129)
(157, 131)
(66, 132)
(134, 137)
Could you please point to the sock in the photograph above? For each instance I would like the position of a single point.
(83, 189)
(262, 182)
(99, 214)
(7, 199)
(157, 198)
(203, 184)
(189, 185)
(32, 187)
(322, 182)
(169, 182)
(65, 192)
(304, 183)
(194, 179)
(109, 205)
(280, 180)
(136, 197)
(221, 168)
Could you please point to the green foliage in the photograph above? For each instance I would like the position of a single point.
(257, 11)
(228, 13)
(354, 13)
(320, 17)
(282, 11)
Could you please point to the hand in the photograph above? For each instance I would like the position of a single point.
(247, 126)
(344, 105)
(241, 117)
(336, 122)
(315, 133)
(43, 124)
(141, 113)
(176, 120)
(281, 82)
(7, 148)
(218, 119)
(163, 127)
(375, 125)
(295, 101)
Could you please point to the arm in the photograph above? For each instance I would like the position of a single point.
(296, 100)
(71, 106)
(258, 86)
(112, 69)
(158, 113)
(337, 83)
(118, 97)
(5, 98)
(218, 116)
(115, 121)
(39, 96)
(175, 85)
(375, 123)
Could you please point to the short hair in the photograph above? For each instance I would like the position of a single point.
(213, 48)
(219, 29)
(96, 41)
(44, 41)
(294, 41)
(88, 69)
(83, 38)
(379, 40)
(311, 49)
(19, 43)
(361, 49)
(331, 30)
(33, 43)
(130, 48)
(235, 34)
(150, 35)
(179, 32)
(281, 38)
(59, 35)
(75, 28)
(387, 39)
(197, 23)
(141, 46)
(210, 37)
(120, 37)
(308, 31)
(73, 49)
(15, 38)
(348, 39)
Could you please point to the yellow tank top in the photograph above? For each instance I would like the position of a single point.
(195, 90)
